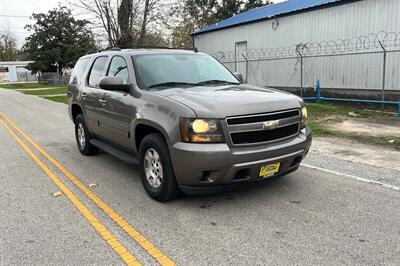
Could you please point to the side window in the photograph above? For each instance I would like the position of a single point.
(96, 72)
(119, 68)
(79, 70)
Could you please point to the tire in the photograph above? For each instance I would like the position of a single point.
(84, 145)
(165, 189)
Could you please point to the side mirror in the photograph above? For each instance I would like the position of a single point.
(238, 76)
(114, 84)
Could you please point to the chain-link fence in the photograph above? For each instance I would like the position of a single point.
(365, 68)
(24, 75)
(53, 78)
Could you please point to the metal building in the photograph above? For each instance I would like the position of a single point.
(15, 71)
(347, 44)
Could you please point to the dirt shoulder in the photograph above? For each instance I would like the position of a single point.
(360, 126)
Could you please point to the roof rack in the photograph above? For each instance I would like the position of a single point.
(144, 47)
(111, 49)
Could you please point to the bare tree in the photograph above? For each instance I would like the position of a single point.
(126, 22)
(8, 46)
(152, 13)
(144, 21)
(105, 14)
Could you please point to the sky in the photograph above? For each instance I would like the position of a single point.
(14, 14)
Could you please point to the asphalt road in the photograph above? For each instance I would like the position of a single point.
(330, 212)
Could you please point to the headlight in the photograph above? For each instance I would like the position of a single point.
(201, 130)
(304, 116)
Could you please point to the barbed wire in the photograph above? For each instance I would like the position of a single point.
(373, 42)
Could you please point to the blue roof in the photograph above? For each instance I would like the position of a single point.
(266, 12)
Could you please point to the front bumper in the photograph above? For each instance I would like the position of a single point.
(203, 167)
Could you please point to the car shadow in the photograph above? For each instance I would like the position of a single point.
(260, 188)
(265, 190)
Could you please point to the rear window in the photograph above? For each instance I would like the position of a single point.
(79, 71)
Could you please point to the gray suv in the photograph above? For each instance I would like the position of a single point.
(188, 123)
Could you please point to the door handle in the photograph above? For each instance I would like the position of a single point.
(84, 96)
(104, 102)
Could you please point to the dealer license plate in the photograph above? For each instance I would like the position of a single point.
(269, 170)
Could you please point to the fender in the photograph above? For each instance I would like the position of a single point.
(74, 102)
(141, 121)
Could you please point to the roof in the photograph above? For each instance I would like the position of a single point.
(267, 12)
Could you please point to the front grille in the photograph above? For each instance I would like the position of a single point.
(261, 128)
(261, 118)
(264, 135)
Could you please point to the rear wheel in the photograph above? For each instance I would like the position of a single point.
(156, 169)
(83, 137)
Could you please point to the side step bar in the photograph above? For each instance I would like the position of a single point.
(120, 154)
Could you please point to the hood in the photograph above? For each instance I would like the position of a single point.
(228, 100)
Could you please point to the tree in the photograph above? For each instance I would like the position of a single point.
(251, 4)
(8, 47)
(191, 15)
(200, 13)
(229, 8)
(127, 23)
(152, 13)
(116, 20)
(181, 35)
(58, 40)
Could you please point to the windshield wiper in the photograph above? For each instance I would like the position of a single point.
(217, 81)
(119, 70)
(172, 83)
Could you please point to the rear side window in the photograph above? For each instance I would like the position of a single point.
(79, 70)
(119, 68)
(96, 73)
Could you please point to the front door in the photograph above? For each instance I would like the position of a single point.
(241, 59)
(118, 107)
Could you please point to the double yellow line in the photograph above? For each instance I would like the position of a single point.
(121, 250)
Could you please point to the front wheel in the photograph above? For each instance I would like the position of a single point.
(156, 169)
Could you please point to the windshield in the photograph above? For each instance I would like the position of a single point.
(164, 70)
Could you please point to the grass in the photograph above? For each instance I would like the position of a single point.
(15, 86)
(53, 90)
(319, 130)
(59, 99)
(317, 112)
(56, 90)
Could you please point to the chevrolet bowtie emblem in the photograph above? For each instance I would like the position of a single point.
(269, 125)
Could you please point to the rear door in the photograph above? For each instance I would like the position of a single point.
(77, 78)
(118, 106)
(92, 94)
